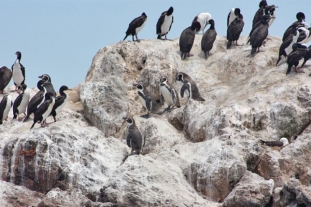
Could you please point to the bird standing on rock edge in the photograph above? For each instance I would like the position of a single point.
(187, 38)
(136, 26)
(164, 23)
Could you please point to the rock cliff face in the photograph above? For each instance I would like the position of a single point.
(201, 154)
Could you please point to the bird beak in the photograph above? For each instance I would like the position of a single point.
(40, 76)
(124, 118)
(135, 84)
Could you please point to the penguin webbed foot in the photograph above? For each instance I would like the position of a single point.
(189, 55)
(298, 71)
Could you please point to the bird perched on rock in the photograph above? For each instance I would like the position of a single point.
(234, 13)
(203, 19)
(292, 28)
(133, 136)
(164, 23)
(18, 71)
(283, 142)
(259, 34)
(209, 38)
(187, 38)
(234, 30)
(5, 106)
(59, 101)
(260, 12)
(299, 51)
(5, 77)
(168, 95)
(48, 83)
(21, 102)
(190, 86)
(136, 26)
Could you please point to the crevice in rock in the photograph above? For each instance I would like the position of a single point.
(270, 203)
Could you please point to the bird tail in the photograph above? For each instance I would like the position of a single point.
(26, 118)
(159, 37)
(278, 60)
(288, 70)
(253, 50)
(229, 44)
(125, 37)
(262, 142)
(14, 117)
(206, 54)
(183, 55)
(249, 39)
(304, 62)
(32, 125)
(200, 99)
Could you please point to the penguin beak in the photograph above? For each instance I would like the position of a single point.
(135, 84)
(124, 118)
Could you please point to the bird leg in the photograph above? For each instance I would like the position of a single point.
(189, 55)
(137, 38)
(298, 71)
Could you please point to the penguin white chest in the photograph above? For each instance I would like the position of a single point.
(7, 108)
(18, 77)
(142, 100)
(24, 103)
(166, 24)
(48, 111)
(166, 95)
(141, 27)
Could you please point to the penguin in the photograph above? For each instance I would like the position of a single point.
(187, 38)
(35, 100)
(18, 71)
(135, 26)
(283, 142)
(5, 77)
(5, 106)
(133, 136)
(190, 86)
(208, 38)
(234, 30)
(59, 102)
(21, 102)
(260, 12)
(48, 83)
(44, 110)
(259, 35)
(299, 51)
(203, 19)
(168, 95)
(286, 46)
(164, 23)
(292, 28)
(147, 100)
(307, 56)
(235, 12)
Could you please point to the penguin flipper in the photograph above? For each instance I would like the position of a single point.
(182, 90)
(129, 140)
(161, 99)
(175, 98)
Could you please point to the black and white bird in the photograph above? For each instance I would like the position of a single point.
(21, 102)
(189, 86)
(133, 137)
(136, 26)
(260, 12)
(187, 38)
(164, 23)
(304, 35)
(5, 77)
(203, 19)
(283, 142)
(59, 101)
(307, 56)
(270, 10)
(18, 71)
(208, 38)
(5, 106)
(259, 34)
(234, 13)
(48, 83)
(292, 28)
(234, 30)
(44, 110)
(147, 100)
(299, 51)
(168, 95)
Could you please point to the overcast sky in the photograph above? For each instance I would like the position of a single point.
(61, 37)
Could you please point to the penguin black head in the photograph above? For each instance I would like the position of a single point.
(46, 78)
(163, 79)
(179, 77)
(196, 26)
(63, 88)
(138, 86)
(19, 55)
(144, 14)
(129, 120)
(170, 11)
(211, 21)
(263, 3)
(40, 85)
(300, 16)
(237, 11)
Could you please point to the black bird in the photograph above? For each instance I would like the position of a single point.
(44, 110)
(133, 137)
(259, 35)
(307, 56)
(190, 86)
(164, 23)
(21, 102)
(59, 102)
(234, 30)
(135, 26)
(208, 38)
(5, 106)
(260, 12)
(292, 28)
(235, 12)
(18, 71)
(187, 38)
(5, 77)
(283, 142)
(299, 51)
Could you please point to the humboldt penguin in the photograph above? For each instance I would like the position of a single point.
(234, 30)
(292, 28)
(48, 83)
(133, 136)
(283, 142)
(164, 23)
(18, 71)
(260, 12)
(299, 51)
(203, 19)
(44, 110)
(147, 100)
(190, 86)
(208, 38)
(59, 102)
(187, 38)
(234, 13)
(307, 56)
(21, 102)
(5, 77)
(35, 100)
(5, 106)
(135, 26)
(168, 95)
(259, 35)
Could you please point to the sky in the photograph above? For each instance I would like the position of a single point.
(61, 37)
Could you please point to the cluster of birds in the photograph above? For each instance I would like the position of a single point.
(42, 105)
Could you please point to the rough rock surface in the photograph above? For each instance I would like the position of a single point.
(201, 154)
